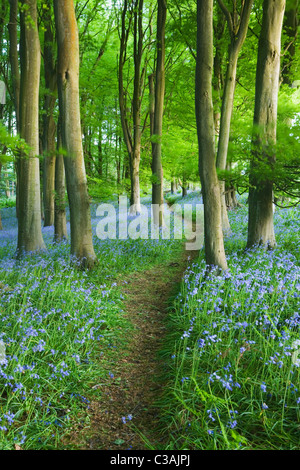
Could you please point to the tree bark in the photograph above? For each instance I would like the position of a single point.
(213, 235)
(122, 96)
(135, 202)
(29, 227)
(238, 35)
(157, 172)
(13, 56)
(1, 228)
(290, 27)
(68, 91)
(15, 73)
(49, 125)
(132, 136)
(60, 223)
(260, 224)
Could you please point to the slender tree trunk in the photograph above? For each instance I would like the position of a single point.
(100, 154)
(226, 113)
(1, 228)
(60, 223)
(172, 186)
(218, 75)
(213, 235)
(13, 56)
(260, 224)
(134, 14)
(29, 228)
(237, 40)
(290, 27)
(49, 170)
(49, 125)
(122, 95)
(157, 174)
(135, 202)
(7, 187)
(68, 90)
(15, 73)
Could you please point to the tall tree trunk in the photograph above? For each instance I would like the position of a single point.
(213, 235)
(68, 91)
(260, 225)
(132, 13)
(218, 74)
(135, 202)
(15, 73)
(157, 173)
(49, 125)
(7, 186)
(99, 164)
(13, 56)
(238, 35)
(29, 228)
(122, 95)
(1, 228)
(49, 168)
(60, 223)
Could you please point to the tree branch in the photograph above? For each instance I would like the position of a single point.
(227, 16)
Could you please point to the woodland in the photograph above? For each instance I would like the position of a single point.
(137, 341)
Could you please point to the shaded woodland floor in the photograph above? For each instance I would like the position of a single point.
(138, 371)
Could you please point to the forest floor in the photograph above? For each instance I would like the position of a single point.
(138, 370)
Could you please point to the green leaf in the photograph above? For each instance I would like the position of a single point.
(119, 442)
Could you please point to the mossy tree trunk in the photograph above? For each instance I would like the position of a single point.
(260, 225)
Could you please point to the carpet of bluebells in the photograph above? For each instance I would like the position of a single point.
(234, 369)
(56, 321)
(233, 342)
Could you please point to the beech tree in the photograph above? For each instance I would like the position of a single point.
(290, 28)
(238, 26)
(29, 222)
(213, 235)
(49, 124)
(60, 223)
(156, 127)
(68, 91)
(13, 56)
(260, 223)
(131, 108)
(15, 74)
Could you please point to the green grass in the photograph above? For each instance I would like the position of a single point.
(233, 381)
(230, 365)
(62, 328)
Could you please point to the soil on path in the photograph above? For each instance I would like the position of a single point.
(139, 371)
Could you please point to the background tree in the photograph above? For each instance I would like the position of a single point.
(131, 108)
(60, 223)
(290, 30)
(49, 124)
(157, 172)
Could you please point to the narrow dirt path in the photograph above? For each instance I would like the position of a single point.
(138, 380)
(137, 383)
